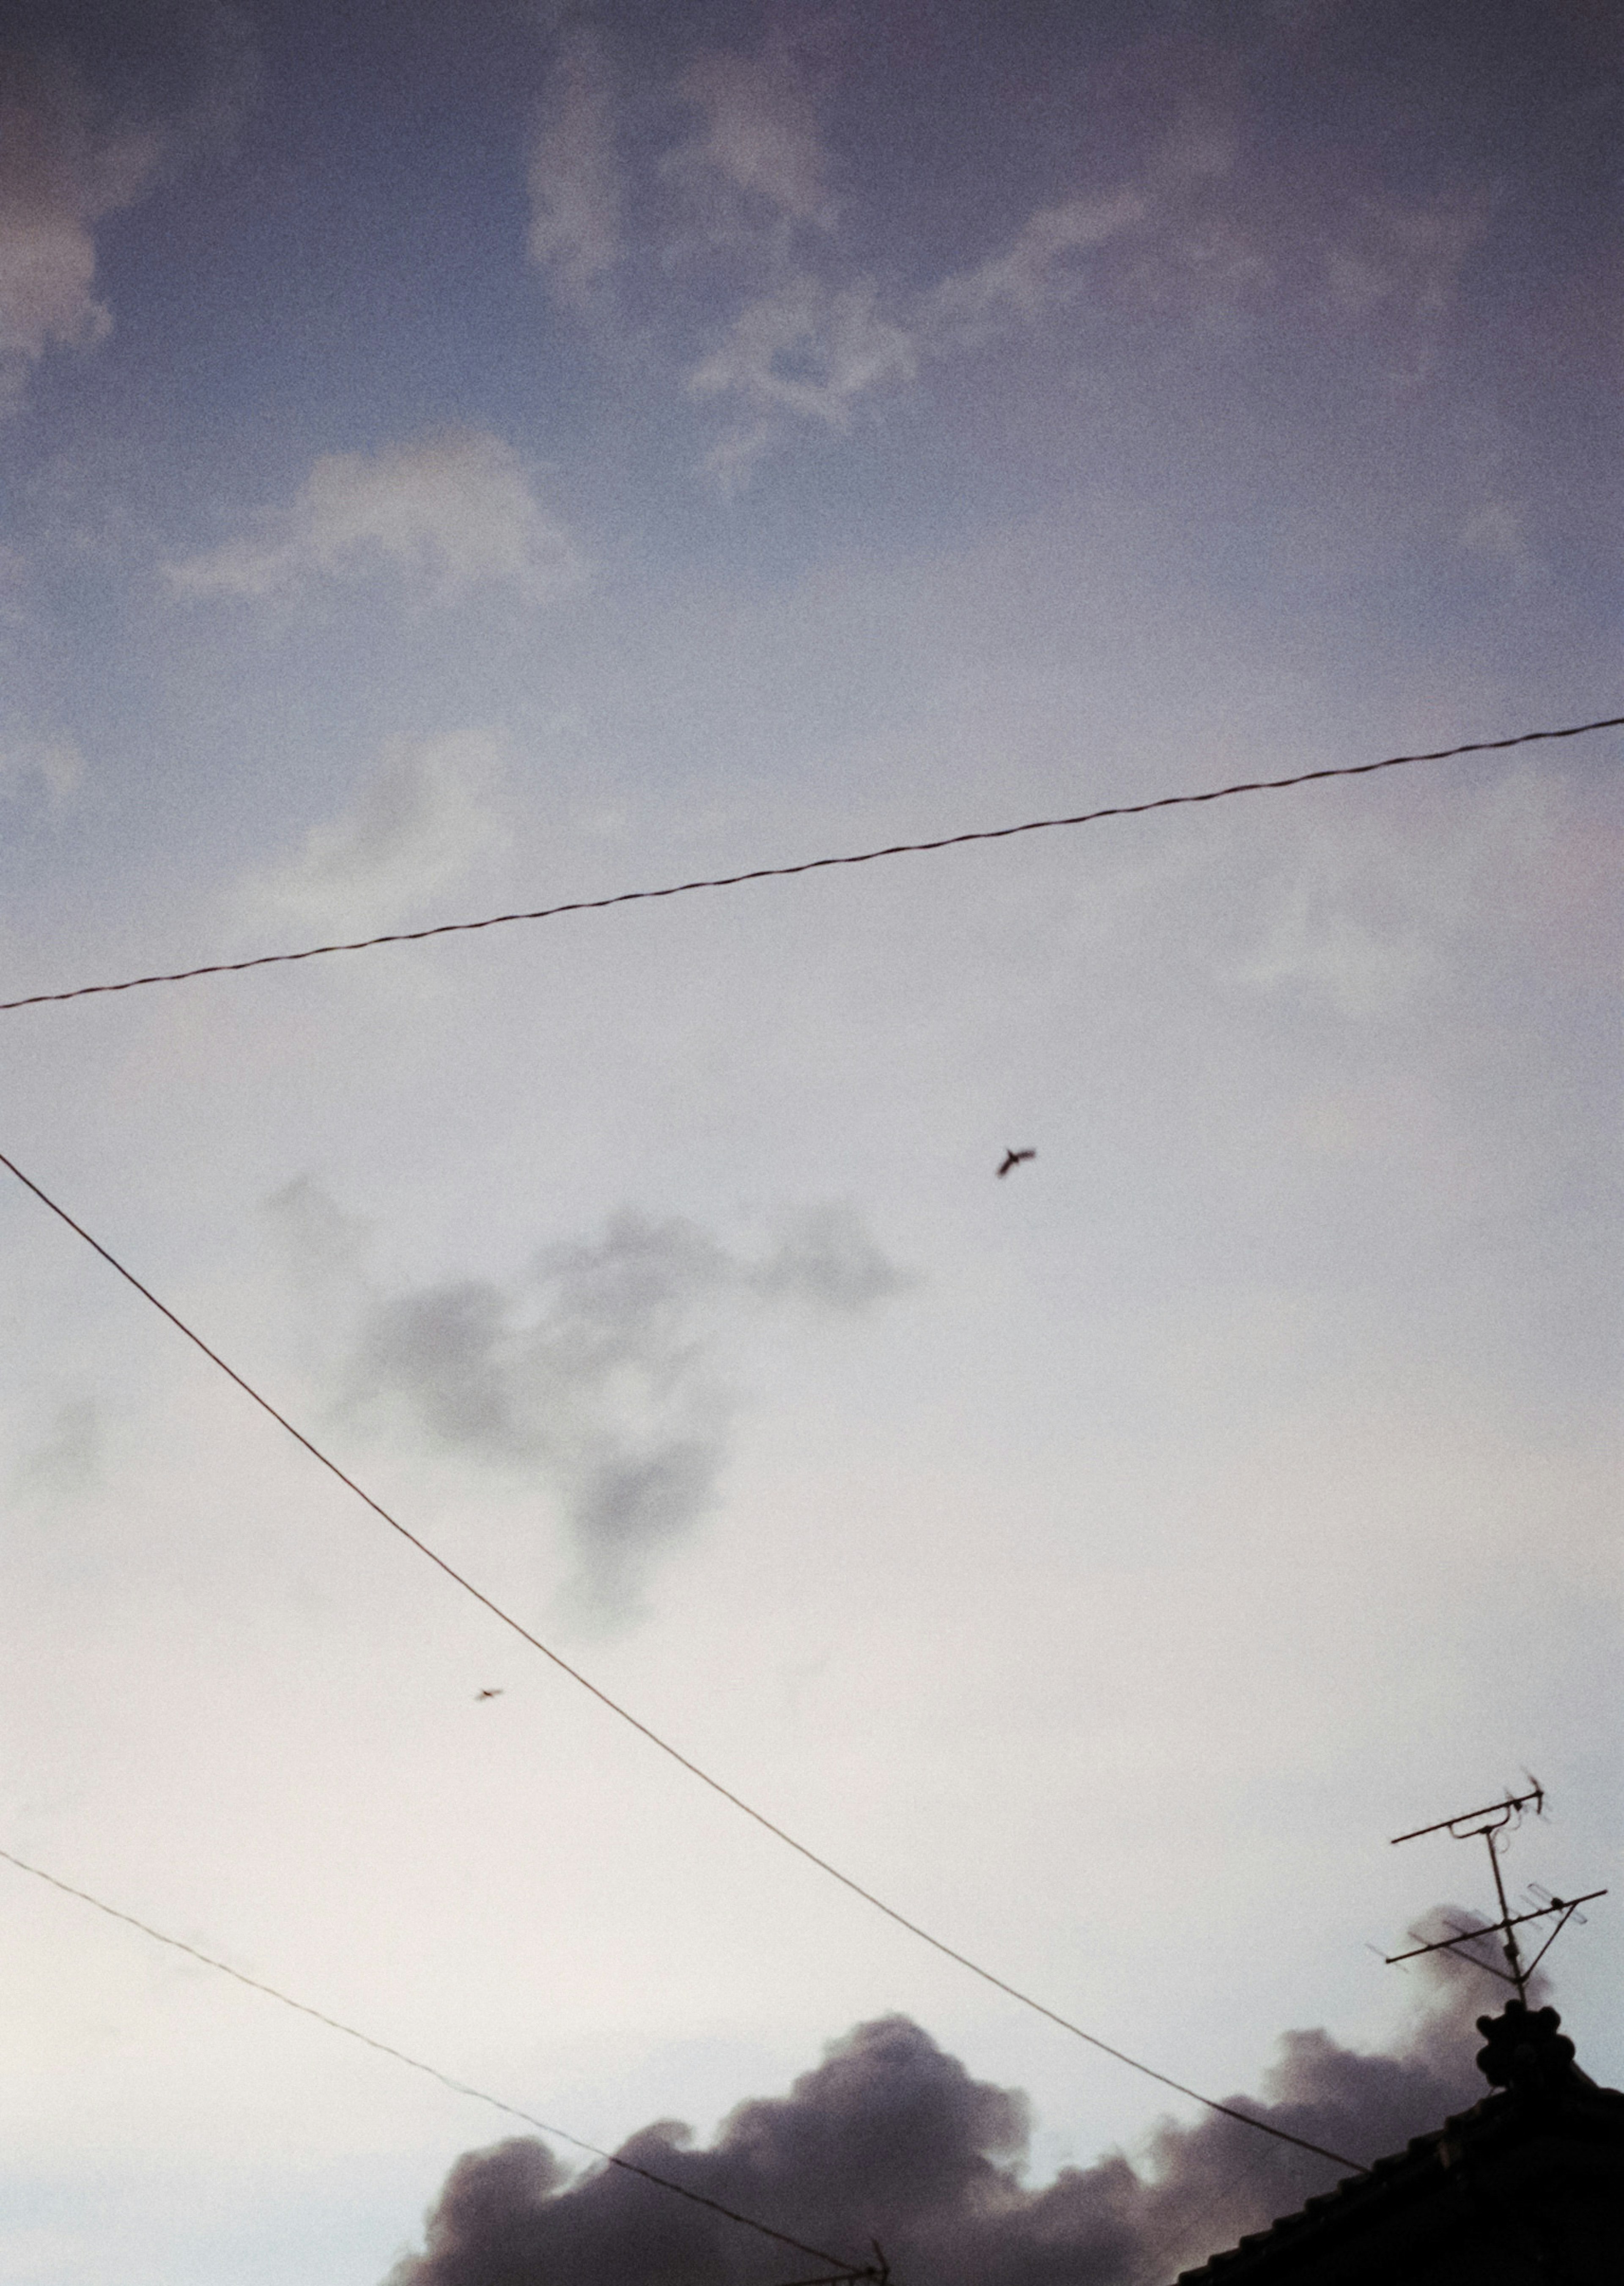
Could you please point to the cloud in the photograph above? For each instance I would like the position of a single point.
(805, 353)
(1035, 271)
(576, 186)
(760, 139)
(824, 1256)
(51, 769)
(451, 512)
(891, 2139)
(1393, 269)
(597, 1370)
(423, 817)
(68, 161)
(1363, 965)
(1365, 925)
(68, 1460)
(769, 281)
(60, 173)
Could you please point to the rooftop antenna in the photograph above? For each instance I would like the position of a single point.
(1491, 1824)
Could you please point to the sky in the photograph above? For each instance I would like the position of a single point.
(456, 458)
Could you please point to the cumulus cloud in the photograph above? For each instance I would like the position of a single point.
(597, 1371)
(890, 2139)
(576, 186)
(68, 161)
(450, 512)
(429, 811)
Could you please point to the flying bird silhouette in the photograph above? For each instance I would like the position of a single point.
(1014, 1159)
(489, 1694)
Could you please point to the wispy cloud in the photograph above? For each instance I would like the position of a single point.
(760, 138)
(598, 1370)
(1034, 271)
(449, 513)
(427, 812)
(743, 245)
(68, 161)
(50, 770)
(577, 189)
(1393, 268)
(803, 354)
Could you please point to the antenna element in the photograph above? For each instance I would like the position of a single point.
(1489, 1825)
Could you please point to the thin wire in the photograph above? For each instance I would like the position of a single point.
(812, 864)
(693, 1769)
(458, 2087)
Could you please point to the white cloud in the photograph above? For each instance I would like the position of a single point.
(806, 351)
(59, 175)
(1363, 967)
(759, 134)
(451, 511)
(1034, 271)
(575, 181)
(425, 817)
(65, 166)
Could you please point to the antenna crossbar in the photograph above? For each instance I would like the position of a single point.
(1489, 1825)
(1502, 1812)
(1565, 1906)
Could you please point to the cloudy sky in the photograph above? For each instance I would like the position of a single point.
(460, 454)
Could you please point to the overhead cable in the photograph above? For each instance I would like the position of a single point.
(810, 866)
(758, 1816)
(457, 2087)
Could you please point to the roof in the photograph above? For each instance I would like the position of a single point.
(1533, 2174)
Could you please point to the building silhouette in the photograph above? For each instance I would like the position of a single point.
(1526, 2188)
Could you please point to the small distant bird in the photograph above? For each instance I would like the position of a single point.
(1014, 1159)
(488, 1694)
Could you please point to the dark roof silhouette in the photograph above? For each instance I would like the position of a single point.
(1527, 2186)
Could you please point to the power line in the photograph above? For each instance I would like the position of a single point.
(433, 2071)
(810, 866)
(624, 1714)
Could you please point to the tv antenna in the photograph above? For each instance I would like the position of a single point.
(1491, 1824)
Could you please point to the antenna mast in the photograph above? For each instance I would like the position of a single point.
(1490, 1825)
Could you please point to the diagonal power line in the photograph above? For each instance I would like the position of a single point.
(810, 866)
(457, 2087)
(757, 1816)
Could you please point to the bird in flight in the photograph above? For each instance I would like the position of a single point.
(1014, 1159)
(489, 1694)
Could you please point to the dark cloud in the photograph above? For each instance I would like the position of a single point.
(891, 2139)
(68, 1460)
(601, 1369)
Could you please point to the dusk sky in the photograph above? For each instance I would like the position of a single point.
(458, 455)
